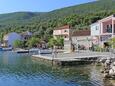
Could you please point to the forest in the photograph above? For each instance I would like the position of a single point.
(41, 24)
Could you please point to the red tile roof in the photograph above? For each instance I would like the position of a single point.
(81, 33)
(63, 27)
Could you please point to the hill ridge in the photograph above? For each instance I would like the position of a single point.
(78, 16)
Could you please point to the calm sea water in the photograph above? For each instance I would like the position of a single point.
(23, 70)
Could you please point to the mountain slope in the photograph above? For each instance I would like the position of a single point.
(78, 16)
(91, 7)
(17, 16)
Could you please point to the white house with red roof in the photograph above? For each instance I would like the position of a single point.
(64, 31)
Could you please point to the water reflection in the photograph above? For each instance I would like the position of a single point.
(22, 70)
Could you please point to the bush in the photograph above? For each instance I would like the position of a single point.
(32, 42)
(18, 44)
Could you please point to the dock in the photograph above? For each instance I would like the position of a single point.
(72, 58)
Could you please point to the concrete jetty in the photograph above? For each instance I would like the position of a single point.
(64, 59)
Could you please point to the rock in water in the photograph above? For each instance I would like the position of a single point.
(108, 61)
(102, 60)
(111, 72)
(102, 71)
(113, 63)
(106, 75)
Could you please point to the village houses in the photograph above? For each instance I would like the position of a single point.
(99, 34)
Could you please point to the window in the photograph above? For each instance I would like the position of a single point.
(65, 31)
(65, 37)
(109, 28)
(96, 28)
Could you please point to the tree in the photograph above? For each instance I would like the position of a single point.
(18, 44)
(32, 42)
(112, 42)
(1, 37)
(60, 41)
(56, 42)
(52, 42)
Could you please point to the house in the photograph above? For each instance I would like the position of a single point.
(25, 35)
(9, 39)
(73, 38)
(65, 32)
(81, 39)
(95, 33)
(104, 30)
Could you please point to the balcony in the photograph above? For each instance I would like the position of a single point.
(109, 30)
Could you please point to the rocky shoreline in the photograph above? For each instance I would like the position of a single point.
(108, 68)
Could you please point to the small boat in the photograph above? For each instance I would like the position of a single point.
(25, 51)
(34, 50)
(6, 49)
(45, 51)
(22, 51)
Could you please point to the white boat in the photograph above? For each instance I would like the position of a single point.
(7, 49)
(21, 51)
(45, 51)
(34, 50)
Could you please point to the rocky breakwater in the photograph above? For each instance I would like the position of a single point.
(108, 69)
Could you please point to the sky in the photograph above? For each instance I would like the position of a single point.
(8, 6)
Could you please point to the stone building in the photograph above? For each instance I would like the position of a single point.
(73, 38)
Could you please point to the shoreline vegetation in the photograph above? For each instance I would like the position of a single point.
(35, 42)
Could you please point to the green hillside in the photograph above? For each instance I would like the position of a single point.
(42, 24)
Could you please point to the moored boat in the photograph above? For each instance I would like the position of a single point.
(21, 51)
(6, 49)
